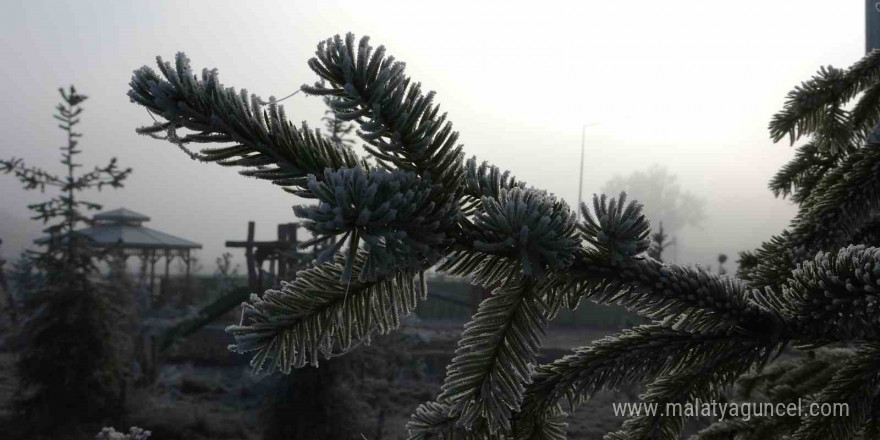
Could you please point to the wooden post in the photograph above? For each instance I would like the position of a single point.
(249, 257)
(186, 291)
(153, 260)
(292, 243)
(168, 258)
(142, 276)
(272, 270)
(146, 301)
(165, 286)
(188, 260)
(283, 239)
(259, 288)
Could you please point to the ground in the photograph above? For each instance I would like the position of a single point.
(205, 392)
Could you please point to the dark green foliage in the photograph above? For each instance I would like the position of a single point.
(835, 296)
(616, 231)
(810, 106)
(321, 315)
(11, 305)
(659, 243)
(23, 276)
(390, 211)
(314, 403)
(402, 127)
(485, 180)
(832, 176)
(333, 402)
(648, 351)
(708, 331)
(528, 225)
(72, 367)
(264, 142)
(494, 357)
(802, 174)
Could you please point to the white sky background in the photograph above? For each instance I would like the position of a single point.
(688, 84)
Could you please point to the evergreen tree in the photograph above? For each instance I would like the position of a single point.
(23, 277)
(424, 205)
(339, 130)
(659, 243)
(11, 303)
(69, 370)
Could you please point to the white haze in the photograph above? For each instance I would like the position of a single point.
(688, 84)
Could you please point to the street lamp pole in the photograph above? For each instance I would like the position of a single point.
(581, 179)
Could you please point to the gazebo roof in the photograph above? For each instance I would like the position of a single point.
(122, 226)
(121, 214)
(135, 236)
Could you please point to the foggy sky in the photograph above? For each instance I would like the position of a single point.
(690, 85)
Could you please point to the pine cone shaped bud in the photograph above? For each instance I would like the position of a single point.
(530, 224)
(837, 295)
(396, 213)
(616, 231)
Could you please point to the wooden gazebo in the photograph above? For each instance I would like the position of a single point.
(123, 229)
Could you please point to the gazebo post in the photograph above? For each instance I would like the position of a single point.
(166, 281)
(283, 236)
(187, 294)
(142, 276)
(292, 239)
(168, 258)
(290, 244)
(249, 258)
(153, 259)
(142, 279)
(259, 275)
(187, 260)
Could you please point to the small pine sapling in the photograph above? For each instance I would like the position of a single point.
(70, 369)
(659, 243)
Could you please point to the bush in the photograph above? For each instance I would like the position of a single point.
(70, 369)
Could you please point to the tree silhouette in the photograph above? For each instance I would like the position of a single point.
(664, 199)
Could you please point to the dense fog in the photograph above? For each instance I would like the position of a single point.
(690, 86)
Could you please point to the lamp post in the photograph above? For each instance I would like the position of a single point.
(581, 178)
